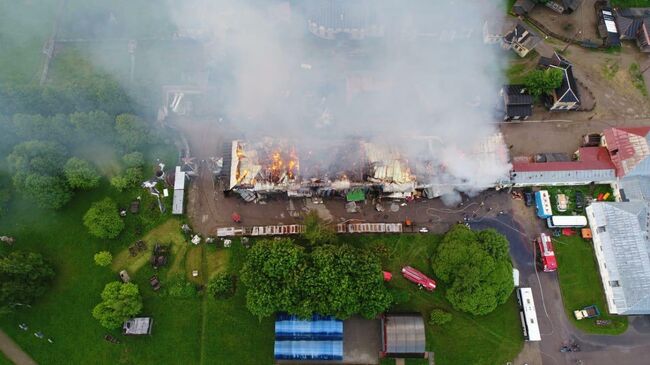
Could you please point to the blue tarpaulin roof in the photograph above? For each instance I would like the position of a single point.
(319, 338)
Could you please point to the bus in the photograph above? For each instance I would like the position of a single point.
(546, 253)
(543, 203)
(528, 315)
(566, 221)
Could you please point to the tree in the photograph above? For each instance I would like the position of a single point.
(133, 159)
(93, 125)
(132, 177)
(103, 258)
(317, 231)
(333, 279)
(439, 317)
(476, 268)
(120, 301)
(80, 174)
(103, 219)
(24, 277)
(132, 131)
(221, 285)
(271, 273)
(542, 82)
(37, 167)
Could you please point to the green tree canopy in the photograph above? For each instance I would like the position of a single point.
(132, 131)
(542, 82)
(103, 219)
(318, 232)
(120, 301)
(38, 174)
(337, 280)
(131, 177)
(24, 276)
(103, 258)
(80, 174)
(476, 267)
(94, 125)
(133, 159)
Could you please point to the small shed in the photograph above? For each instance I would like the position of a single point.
(403, 336)
(138, 326)
(586, 233)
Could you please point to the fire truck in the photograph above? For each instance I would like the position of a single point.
(546, 254)
(419, 278)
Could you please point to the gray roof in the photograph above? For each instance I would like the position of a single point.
(177, 202)
(635, 188)
(138, 326)
(522, 7)
(523, 35)
(563, 177)
(624, 252)
(403, 334)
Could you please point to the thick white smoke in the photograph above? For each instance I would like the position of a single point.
(422, 79)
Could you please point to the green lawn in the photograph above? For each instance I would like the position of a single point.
(630, 3)
(492, 339)
(570, 192)
(581, 285)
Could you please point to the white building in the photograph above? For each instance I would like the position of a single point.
(620, 238)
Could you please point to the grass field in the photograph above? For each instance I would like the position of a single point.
(630, 3)
(581, 285)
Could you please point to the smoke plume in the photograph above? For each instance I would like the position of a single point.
(410, 74)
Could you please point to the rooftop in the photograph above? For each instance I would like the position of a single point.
(629, 149)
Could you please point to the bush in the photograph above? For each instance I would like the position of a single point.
(120, 301)
(221, 286)
(439, 317)
(103, 258)
(179, 287)
(131, 178)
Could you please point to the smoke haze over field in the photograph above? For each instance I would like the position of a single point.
(428, 75)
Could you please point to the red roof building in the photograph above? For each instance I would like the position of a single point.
(628, 148)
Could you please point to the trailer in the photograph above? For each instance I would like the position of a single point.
(566, 221)
(419, 278)
(543, 203)
(528, 314)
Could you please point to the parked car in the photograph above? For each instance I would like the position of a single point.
(580, 200)
(587, 312)
(528, 198)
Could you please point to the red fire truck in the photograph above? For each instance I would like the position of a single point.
(546, 254)
(419, 278)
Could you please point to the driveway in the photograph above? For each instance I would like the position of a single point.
(629, 348)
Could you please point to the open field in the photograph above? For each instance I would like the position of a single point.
(581, 285)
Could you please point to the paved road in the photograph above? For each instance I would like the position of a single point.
(13, 352)
(633, 347)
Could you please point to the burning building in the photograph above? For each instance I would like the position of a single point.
(257, 169)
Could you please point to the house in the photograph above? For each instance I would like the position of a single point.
(566, 96)
(634, 24)
(523, 7)
(591, 165)
(629, 149)
(620, 237)
(521, 39)
(137, 326)
(518, 103)
(607, 28)
(319, 338)
(403, 336)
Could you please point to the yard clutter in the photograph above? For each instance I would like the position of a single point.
(159, 256)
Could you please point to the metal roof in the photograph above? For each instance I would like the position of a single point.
(319, 338)
(403, 334)
(138, 326)
(620, 230)
(630, 150)
(179, 179)
(635, 188)
(177, 203)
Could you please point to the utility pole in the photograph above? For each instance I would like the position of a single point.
(569, 43)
